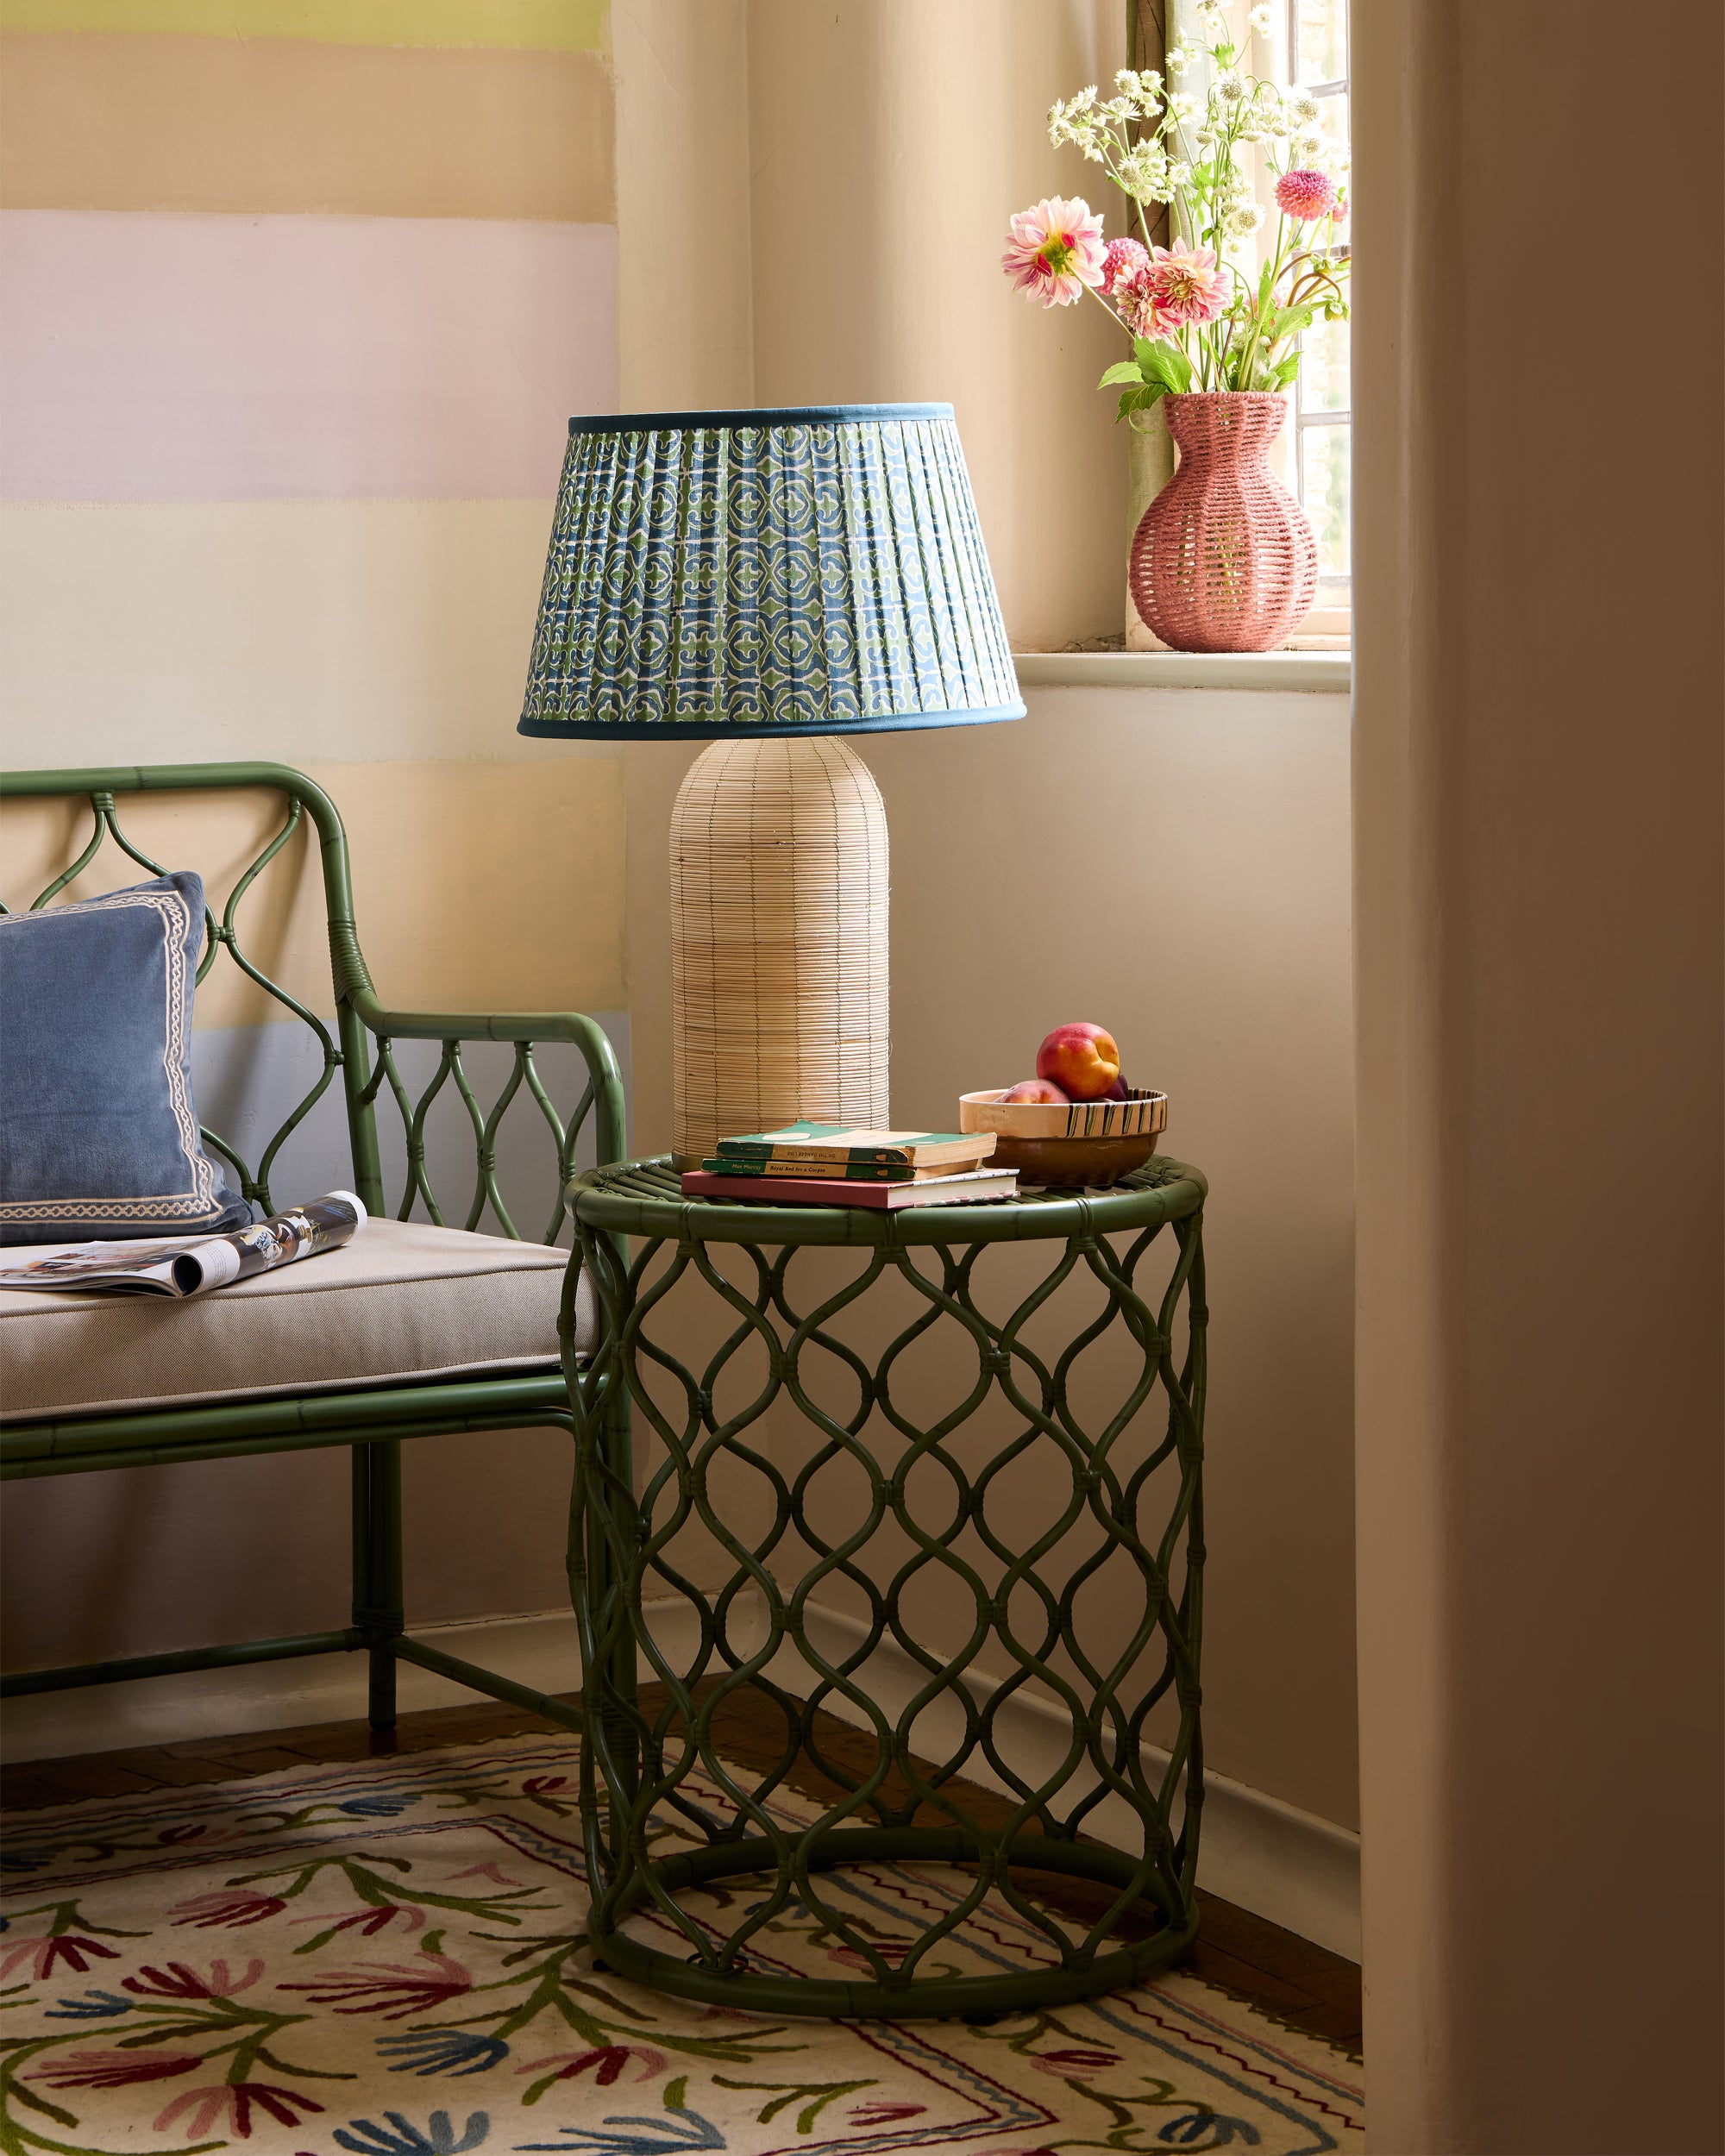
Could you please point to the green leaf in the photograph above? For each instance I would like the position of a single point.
(1165, 364)
(1139, 399)
(1284, 371)
(675, 2091)
(1287, 320)
(1121, 371)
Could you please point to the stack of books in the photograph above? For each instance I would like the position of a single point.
(843, 1164)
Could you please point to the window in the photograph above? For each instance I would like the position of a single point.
(1323, 431)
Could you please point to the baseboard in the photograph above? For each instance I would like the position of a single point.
(1291, 1866)
(1298, 1871)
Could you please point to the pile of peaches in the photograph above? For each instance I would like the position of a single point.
(1075, 1062)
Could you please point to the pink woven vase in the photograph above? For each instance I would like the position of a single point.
(1224, 559)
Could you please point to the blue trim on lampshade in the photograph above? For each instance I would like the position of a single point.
(819, 570)
(721, 729)
(767, 415)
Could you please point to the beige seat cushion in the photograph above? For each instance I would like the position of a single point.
(400, 1301)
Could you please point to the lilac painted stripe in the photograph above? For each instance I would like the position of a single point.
(161, 358)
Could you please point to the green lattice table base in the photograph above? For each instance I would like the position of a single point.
(1115, 1523)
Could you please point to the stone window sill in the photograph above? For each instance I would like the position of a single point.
(1329, 672)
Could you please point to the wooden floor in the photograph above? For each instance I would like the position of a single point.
(1290, 1978)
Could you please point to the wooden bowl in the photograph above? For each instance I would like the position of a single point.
(1068, 1145)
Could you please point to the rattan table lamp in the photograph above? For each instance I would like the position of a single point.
(767, 582)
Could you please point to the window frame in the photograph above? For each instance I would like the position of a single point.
(1336, 581)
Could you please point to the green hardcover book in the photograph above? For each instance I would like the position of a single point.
(852, 1142)
(855, 1171)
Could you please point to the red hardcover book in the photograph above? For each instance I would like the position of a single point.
(816, 1190)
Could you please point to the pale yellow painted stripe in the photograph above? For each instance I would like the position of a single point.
(477, 887)
(272, 124)
(383, 632)
(546, 26)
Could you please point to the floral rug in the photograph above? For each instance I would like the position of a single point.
(386, 1959)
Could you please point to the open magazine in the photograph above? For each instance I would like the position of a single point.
(193, 1264)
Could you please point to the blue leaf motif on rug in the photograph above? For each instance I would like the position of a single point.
(1192, 2130)
(402, 2138)
(441, 2051)
(94, 2006)
(663, 2137)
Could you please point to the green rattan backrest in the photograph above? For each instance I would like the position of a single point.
(361, 1046)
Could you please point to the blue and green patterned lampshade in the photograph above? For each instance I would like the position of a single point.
(816, 571)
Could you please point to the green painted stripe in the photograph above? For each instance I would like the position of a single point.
(552, 25)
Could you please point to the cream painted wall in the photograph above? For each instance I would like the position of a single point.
(890, 140)
(1214, 825)
(685, 298)
(318, 630)
(440, 928)
(1176, 866)
(1540, 898)
(814, 200)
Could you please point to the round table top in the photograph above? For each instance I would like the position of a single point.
(645, 1197)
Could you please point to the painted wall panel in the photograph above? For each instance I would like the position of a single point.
(294, 329)
(299, 630)
(538, 25)
(477, 887)
(284, 125)
(162, 358)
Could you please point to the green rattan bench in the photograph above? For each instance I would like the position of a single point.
(373, 1419)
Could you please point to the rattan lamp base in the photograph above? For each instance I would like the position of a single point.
(779, 965)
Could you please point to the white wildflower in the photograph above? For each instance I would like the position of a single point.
(1143, 173)
(1231, 86)
(1263, 20)
(1244, 219)
(1183, 106)
(1304, 149)
(1303, 110)
(1126, 78)
(1179, 60)
(1179, 175)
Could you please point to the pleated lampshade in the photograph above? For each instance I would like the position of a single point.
(732, 576)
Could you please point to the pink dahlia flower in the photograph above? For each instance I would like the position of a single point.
(1054, 251)
(1122, 261)
(1307, 195)
(1185, 287)
(1139, 308)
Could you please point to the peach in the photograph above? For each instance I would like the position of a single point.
(1082, 1059)
(1036, 1089)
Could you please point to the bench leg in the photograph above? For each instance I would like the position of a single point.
(377, 1612)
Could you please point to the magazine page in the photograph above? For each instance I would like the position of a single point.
(191, 1265)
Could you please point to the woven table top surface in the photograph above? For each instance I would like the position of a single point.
(645, 1197)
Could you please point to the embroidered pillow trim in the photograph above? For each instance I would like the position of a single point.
(197, 1203)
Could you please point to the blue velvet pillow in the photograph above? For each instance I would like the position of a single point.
(98, 1135)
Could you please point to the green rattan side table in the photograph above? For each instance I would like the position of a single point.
(1119, 1504)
